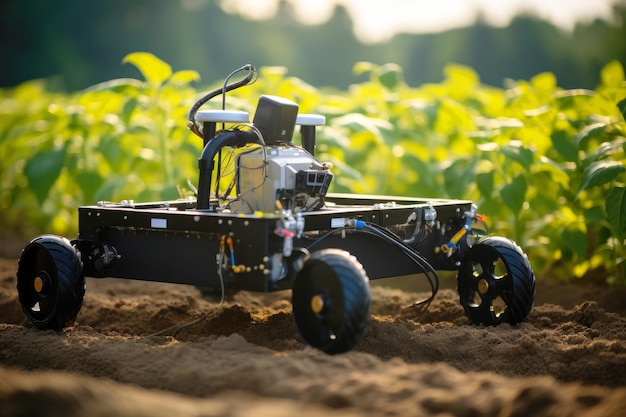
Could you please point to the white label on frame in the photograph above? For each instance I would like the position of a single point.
(158, 223)
(335, 223)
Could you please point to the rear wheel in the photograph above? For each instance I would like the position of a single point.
(331, 301)
(496, 282)
(50, 282)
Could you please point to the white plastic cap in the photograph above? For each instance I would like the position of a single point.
(310, 120)
(223, 116)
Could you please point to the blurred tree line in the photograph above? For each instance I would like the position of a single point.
(77, 43)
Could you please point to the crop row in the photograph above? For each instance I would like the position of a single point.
(544, 164)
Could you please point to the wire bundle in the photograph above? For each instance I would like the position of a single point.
(425, 267)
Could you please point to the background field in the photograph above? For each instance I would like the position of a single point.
(543, 163)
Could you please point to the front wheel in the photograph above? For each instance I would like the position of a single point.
(496, 282)
(50, 282)
(331, 301)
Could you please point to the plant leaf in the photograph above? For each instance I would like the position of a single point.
(514, 193)
(391, 76)
(128, 109)
(622, 108)
(596, 130)
(89, 182)
(604, 150)
(519, 154)
(599, 173)
(616, 211)
(184, 77)
(458, 177)
(42, 171)
(357, 123)
(461, 74)
(612, 75)
(154, 70)
(118, 85)
(484, 181)
(362, 67)
(575, 238)
(546, 82)
(564, 145)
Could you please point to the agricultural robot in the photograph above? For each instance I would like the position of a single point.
(276, 227)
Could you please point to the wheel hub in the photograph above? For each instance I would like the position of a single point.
(41, 283)
(38, 284)
(317, 304)
(483, 286)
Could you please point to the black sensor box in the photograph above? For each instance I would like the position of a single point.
(276, 117)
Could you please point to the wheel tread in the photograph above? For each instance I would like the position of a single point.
(70, 280)
(521, 273)
(356, 298)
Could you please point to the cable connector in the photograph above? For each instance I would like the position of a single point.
(288, 228)
(470, 217)
(356, 223)
(430, 215)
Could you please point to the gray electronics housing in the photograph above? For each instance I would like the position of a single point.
(289, 175)
(279, 170)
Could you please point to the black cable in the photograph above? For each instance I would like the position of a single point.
(426, 267)
(219, 154)
(247, 67)
(249, 79)
(379, 231)
(218, 177)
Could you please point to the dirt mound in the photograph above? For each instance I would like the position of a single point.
(163, 349)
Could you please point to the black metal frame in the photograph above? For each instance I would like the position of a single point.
(175, 242)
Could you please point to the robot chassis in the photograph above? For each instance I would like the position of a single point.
(281, 230)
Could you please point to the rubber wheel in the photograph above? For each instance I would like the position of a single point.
(331, 301)
(496, 282)
(50, 282)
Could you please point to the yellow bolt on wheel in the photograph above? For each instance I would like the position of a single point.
(483, 286)
(38, 284)
(317, 304)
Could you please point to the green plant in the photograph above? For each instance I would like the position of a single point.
(546, 165)
(121, 139)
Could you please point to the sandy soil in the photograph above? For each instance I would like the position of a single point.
(149, 349)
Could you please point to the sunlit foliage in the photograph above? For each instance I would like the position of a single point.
(546, 165)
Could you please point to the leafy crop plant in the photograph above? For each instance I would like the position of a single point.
(547, 163)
